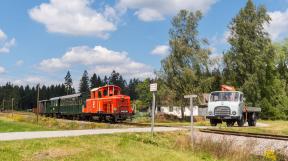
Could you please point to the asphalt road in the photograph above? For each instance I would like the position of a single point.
(66, 133)
(51, 134)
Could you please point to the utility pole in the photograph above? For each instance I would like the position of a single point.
(12, 107)
(135, 107)
(37, 109)
(191, 111)
(153, 89)
(3, 104)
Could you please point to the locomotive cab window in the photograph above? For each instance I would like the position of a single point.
(105, 93)
(116, 92)
(99, 94)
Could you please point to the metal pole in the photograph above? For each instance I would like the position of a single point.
(37, 109)
(135, 107)
(153, 112)
(191, 111)
(192, 121)
(12, 106)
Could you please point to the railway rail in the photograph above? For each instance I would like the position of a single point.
(143, 124)
(246, 134)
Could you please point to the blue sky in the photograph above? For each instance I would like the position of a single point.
(41, 39)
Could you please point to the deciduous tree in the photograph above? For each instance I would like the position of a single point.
(185, 67)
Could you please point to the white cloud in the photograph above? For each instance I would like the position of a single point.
(161, 50)
(32, 80)
(151, 10)
(147, 14)
(5, 43)
(75, 17)
(53, 64)
(19, 62)
(2, 70)
(2, 35)
(278, 27)
(97, 55)
(100, 60)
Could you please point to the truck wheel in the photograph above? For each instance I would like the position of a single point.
(230, 123)
(213, 122)
(241, 122)
(252, 120)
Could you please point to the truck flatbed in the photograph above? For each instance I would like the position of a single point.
(252, 109)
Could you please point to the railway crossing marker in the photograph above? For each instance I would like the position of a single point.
(153, 89)
(191, 111)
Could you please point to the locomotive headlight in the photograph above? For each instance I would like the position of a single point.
(210, 112)
(234, 112)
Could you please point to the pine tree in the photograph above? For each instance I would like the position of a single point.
(100, 81)
(68, 83)
(116, 79)
(105, 80)
(84, 83)
(132, 88)
(94, 81)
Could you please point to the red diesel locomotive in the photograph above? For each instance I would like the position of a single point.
(104, 103)
(108, 103)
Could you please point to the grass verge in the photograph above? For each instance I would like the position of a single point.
(13, 126)
(28, 122)
(130, 147)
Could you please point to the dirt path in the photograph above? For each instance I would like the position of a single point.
(50, 134)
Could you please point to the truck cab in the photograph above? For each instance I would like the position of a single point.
(229, 107)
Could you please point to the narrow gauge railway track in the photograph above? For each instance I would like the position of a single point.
(142, 124)
(246, 134)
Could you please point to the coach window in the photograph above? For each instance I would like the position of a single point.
(55, 103)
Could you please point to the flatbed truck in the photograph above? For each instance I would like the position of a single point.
(228, 106)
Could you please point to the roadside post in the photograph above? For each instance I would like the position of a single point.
(153, 89)
(3, 105)
(191, 111)
(37, 108)
(12, 107)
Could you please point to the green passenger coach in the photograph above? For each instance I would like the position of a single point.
(71, 104)
(63, 106)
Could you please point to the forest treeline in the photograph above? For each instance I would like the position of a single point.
(25, 97)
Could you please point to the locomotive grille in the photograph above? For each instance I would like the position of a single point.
(222, 111)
